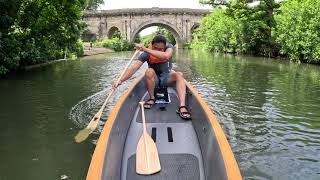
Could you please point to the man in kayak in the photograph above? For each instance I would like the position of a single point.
(159, 62)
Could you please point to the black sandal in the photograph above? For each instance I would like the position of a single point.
(149, 106)
(184, 115)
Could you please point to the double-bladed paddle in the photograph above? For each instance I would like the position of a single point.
(84, 133)
(147, 157)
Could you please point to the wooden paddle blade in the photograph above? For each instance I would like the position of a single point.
(82, 135)
(147, 158)
(94, 121)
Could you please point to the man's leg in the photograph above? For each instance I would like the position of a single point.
(181, 91)
(180, 87)
(150, 77)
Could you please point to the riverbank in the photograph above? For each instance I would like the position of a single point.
(90, 50)
(94, 51)
(27, 68)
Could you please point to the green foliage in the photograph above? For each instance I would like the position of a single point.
(218, 32)
(265, 29)
(93, 4)
(77, 50)
(116, 34)
(257, 23)
(36, 31)
(242, 28)
(215, 2)
(137, 39)
(167, 34)
(116, 43)
(146, 40)
(298, 30)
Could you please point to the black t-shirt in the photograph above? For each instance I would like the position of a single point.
(159, 68)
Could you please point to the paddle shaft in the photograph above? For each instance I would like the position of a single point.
(97, 117)
(143, 119)
(106, 101)
(124, 71)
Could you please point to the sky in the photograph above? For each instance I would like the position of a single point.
(120, 4)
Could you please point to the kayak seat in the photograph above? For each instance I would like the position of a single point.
(161, 94)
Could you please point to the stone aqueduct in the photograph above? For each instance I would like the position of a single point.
(129, 22)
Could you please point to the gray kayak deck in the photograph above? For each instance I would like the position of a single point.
(176, 140)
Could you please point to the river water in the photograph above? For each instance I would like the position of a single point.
(268, 109)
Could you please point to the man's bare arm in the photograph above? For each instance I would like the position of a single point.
(128, 73)
(162, 55)
(131, 71)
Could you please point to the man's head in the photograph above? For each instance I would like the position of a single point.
(159, 43)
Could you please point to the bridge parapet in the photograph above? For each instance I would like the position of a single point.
(142, 11)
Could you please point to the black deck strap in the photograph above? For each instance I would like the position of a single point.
(162, 108)
(154, 134)
(170, 137)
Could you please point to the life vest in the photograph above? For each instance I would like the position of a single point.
(156, 60)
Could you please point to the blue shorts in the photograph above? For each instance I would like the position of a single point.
(163, 79)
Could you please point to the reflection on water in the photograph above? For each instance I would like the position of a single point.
(269, 110)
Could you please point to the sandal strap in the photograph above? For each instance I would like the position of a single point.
(185, 115)
(188, 113)
(183, 107)
(151, 100)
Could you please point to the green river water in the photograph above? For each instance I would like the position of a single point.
(268, 109)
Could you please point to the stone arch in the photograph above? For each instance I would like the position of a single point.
(88, 36)
(193, 28)
(164, 24)
(111, 31)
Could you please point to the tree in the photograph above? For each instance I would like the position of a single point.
(266, 27)
(9, 45)
(93, 4)
(167, 34)
(257, 23)
(297, 30)
(35, 31)
(215, 2)
(219, 32)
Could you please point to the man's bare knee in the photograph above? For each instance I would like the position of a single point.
(150, 74)
(179, 76)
